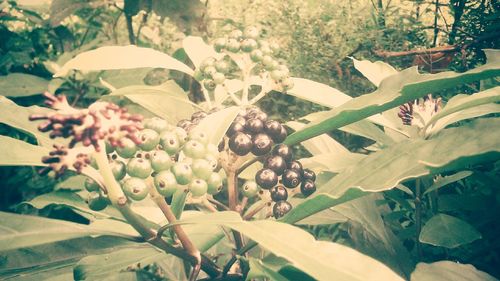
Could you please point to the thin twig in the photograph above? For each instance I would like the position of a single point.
(252, 213)
(418, 217)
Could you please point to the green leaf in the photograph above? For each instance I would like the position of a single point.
(322, 260)
(19, 231)
(259, 269)
(452, 149)
(374, 71)
(317, 93)
(321, 144)
(197, 50)
(397, 89)
(217, 123)
(60, 9)
(125, 77)
(449, 271)
(122, 57)
(99, 266)
(20, 153)
(447, 180)
(332, 162)
(446, 231)
(178, 202)
(22, 85)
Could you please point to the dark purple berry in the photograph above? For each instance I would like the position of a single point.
(240, 143)
(307, 187)
(256, 113)
(254, 126)
(262, 144)
(275, 163)
(221, 146)
(281, 208)
(308, 174)
(234, 128)
(284, 151)
(184, 123)
(290, 178)
(278, 193)
(266, 178)
(296, 165)
(282, 135)
(273, 128)
(199, 114)
(196, 121)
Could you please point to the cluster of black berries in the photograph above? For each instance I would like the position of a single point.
(252, 131)
(188, 124)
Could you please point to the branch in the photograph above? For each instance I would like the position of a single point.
(130, 29)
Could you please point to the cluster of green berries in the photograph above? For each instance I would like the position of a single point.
(260, 52)
(212, 72)
(168, 158)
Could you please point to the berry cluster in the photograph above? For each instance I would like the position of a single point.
(212, 72)
(252, 131)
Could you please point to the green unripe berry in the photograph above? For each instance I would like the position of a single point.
(165, 183)
(248, 45)
(139, 167)
(287, 84)
(212, 149)
(198, 135)
(277, 75)
(209, 84)
(135, 188)
(194, 149)
(274, 47)
(206, 63)
(251, 32)
(219, 78)
(198, 75)
(97, 202)
(212, 160)
(109, 147)
(119, 169)
(149, 139)
(209, 71)
(183, 173)
(267, 60)
(201, 168)
(222, 66)
(169, 142)
(214, 183)
(91, 185)
(181, 135)
(236, 34)
(127, 149)
(256, 55)
(198, 187)
(156, 123)
(265, 48)
(219, 44)
(250, 189)
(160, 161)
(233, 45)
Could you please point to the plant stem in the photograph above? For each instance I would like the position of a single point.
(130, 29)
(418, 217)
(246, 75)
(232, 190)
(256, 210)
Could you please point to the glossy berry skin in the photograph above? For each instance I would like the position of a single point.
(257, 114)
(96, 202)
(219, 44)
(109, 147)
(91, 185)
(165, 183)
(212, 161)
(156, 123)
(256, 55)
(282, 135)
(248, 45)
(266, 178)
(275, 163)
(308, 174)
(297, 166)
(135, 188)
(281, 208)
(183, 123)
(240, 143)
(181, 135)
(214, 183)
(200, 136)
(219, 78)
(183, 172)
(169, 142)
(234, 128)
(307, 187)
(250, 189)
(201, 168)
(254, 126)
(128, 148)
(149, 139)
(272, 128)
(118, 168)
(262, 144)
(278, 193)
(222, 66)
(290, 178)
(160, 161)
(139, 167)
(198, 187)
(233, 45)
(209, 84)
(284, 151)
(194, 149)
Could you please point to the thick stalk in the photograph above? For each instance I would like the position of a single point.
(232, 190)
(418, 217)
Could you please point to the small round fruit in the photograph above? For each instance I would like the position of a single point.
(234, 128)
(248, 45)
(275, 163)
(198, 135)
(165, 183)
(212, 150)
(96, 202)
(258, 115)
(198, 75)
(181, 135)
(284, 151)
(183, 172)
(254, 126)
(139, 167)
(199, 114)
(201, 168)
(222, 66)
(297, 166)
(214, 183)
(119, 169)
(266, 178)
(267, 61)
(210, 61)
(91, 185)
(272, 128)
(194, 149)
(183, 123)
(219, 78)
(309, 174)
(219, 44)
(287, 84)
(281, 136)
(212, 161)
(307, 187)
(169, 142)
(160, 161)
(233, 45)
(251, 32)
(236, 34)
(149, 139)
(127, 148)
(135, 188)
(210, 71)
(209, 84)
(240, 143)
(262, 144)
(277, 75)
(250, 189)
(109, 147)
(156, 123)
(290, 178)
(256, 55)
(278, 193)
(198, 187)
(281, 208)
